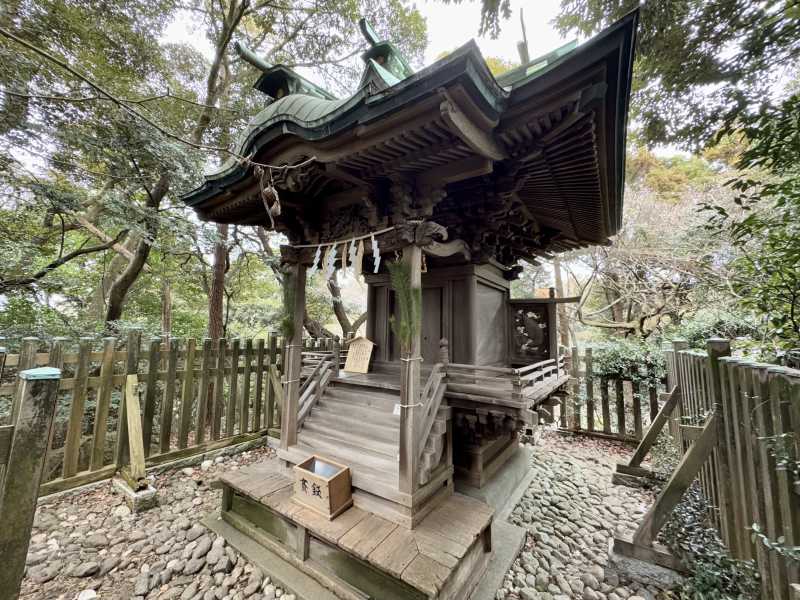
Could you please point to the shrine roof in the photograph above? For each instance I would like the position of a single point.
(555, 126)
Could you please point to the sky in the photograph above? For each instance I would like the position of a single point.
(451, 26)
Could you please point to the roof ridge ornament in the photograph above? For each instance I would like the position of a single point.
(368, 32)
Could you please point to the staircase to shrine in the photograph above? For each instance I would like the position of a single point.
(355, 423)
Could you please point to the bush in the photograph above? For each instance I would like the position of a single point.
(627, 359)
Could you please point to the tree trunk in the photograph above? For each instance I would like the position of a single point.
(216, 318)
(122, 285)
(561, 309)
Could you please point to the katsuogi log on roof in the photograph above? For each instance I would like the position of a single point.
(529, 163)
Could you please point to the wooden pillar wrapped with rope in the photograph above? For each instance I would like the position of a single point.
(294, 300)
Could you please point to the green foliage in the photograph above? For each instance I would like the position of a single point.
(409, 305)
(711, 323)
(714, 575)
(700, 66)
(67, 151)
(640, 362)
(765, 225)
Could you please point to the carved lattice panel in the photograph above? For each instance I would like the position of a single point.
(530, 332)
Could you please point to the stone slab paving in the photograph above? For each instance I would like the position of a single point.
(572, 511)
(88, 545)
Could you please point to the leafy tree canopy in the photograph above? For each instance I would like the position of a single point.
(700, 64)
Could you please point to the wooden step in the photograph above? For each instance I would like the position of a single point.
(358, 436)
(370, 478)
(351, 453)
(358, 414)
(352, 395)
(386, 426)
(377, 383)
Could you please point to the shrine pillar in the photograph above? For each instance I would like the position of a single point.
(294, 281)
(410, 384)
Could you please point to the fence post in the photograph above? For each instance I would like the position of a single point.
(587, 360)
(677, 347)
(27, 360)
(33, 430)
(336, 350)
(575, 389)
(716, 349)
(131, 368)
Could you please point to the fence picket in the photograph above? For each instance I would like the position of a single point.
(219, 398)
(168, 400)
(206, 363)
(244, 404)
(149, 411)
(187, 395)
(259, 393)
(103, 405)
(72, 445)
(589, 390)
(233, 389)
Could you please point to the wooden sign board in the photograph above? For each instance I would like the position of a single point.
(358, 354)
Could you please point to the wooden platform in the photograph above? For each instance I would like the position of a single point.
(359, 554)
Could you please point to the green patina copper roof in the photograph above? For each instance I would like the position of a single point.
(535, 67)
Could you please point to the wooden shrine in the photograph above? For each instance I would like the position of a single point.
(457, 176)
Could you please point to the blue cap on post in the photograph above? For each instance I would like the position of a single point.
(41, 373)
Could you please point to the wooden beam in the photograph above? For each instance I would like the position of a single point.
(656, 426)
(481, 141)
(680, 481)
(410, 385)
(459, 170)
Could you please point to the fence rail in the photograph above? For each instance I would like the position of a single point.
(195, 397)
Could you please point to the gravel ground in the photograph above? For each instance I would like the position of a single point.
(571, 511)
(87, 545)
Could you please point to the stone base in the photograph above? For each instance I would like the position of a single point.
(137, 501)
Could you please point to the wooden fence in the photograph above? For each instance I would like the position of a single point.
(613, 408)
(751, 477)
(195, 397)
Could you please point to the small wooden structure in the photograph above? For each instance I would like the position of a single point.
(23, 447)
(457, 176)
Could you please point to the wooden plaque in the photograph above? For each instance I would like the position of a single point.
(358, 355)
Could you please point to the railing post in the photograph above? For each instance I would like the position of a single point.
(444, 351)
(337, 357)
(33, 430)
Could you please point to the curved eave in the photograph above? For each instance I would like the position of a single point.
(465, 66)
(613, 48)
